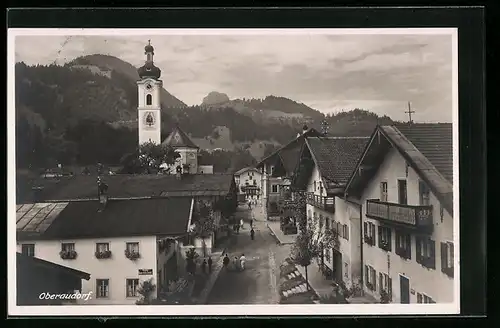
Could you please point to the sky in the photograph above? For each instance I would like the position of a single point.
(328, 72)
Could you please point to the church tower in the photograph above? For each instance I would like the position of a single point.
(149, 103)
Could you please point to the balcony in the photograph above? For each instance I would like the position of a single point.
(406, 215)
(322, 202)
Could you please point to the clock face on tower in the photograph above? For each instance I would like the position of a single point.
(149, 120)
(149, 86)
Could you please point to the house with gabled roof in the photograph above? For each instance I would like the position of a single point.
(323, 170)
(249, 183)
(278, 168)
(403, 183)
(188, 151)
(39, 282)
(121, 243)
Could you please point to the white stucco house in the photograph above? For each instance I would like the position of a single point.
(249, 182)
(325, 166)
(404, 185)
(120, 243)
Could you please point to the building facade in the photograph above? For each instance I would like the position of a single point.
(249, 183)
(404, 183)
(326, 164)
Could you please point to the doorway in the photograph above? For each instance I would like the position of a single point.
(402, 192)
(404, 287)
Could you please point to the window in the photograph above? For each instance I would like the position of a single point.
(254, 182)
(28, 249)
(102, 288)
(149, 100)
(383, 191)
(402, 192)
(369, 233)
(314, 186)
(346, 270)
(385, 283)
(426, 252)
(320, 188)
(309, 214)
(133, 247)
(447, 258)
(345, 232)
(132, 286)
(424, 192)
(403, 245)
(384, 238)
(371, 277)
(67, 247)
(327, 223)
(274, 188)
(102, 247)
(422, 298)
(320, 222)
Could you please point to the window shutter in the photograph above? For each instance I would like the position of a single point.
(347, 232)
(452, 255)
(380, 279)
(418, 251)
(408, 245)
(379, 235)
(432, 260)
(365, 227)
(374, 280)
(389, 287)
(444, 254)
(366, 275)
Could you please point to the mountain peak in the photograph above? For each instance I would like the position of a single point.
(215, 98)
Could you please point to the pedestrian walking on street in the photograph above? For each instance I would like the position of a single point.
(235, 263)
(209, 264)
(241, 223)
(252, 234)
(204, 266)
(225, 261)
(249, 204)
(251, 223)
(242, 261)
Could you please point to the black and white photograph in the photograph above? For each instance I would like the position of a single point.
(233, 171)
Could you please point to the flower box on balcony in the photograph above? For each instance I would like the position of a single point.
(68, 255)
(131, 255)
(404, 253)
(385, 245)
(369, 240)
(448, 271)
(103, 254)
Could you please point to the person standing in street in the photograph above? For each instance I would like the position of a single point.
(235, 263)
(252, 234)
(225, 261)
(204, 266)
(242, 261)
(209, 264)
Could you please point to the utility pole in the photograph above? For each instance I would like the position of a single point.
(409, 112)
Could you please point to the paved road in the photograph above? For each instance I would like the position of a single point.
(257, 284)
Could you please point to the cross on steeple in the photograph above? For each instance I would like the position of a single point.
(149, 42)
(409, 112)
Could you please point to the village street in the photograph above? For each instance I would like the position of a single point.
(257, 284)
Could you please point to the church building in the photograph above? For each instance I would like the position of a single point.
(149, 121)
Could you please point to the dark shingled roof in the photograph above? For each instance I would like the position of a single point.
(435, 142)
(29, 263)
(336, 157)
(179, 139)
(295, 143)
(119, 218)
(141, 185)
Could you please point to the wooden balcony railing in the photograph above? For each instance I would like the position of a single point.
(409, 215)
(323, 202)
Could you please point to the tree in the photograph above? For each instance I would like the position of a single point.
(204, 223)
(191, 257)
(148, 158)
(146, 290)
(311, 241)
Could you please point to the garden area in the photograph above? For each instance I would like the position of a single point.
(293, 287)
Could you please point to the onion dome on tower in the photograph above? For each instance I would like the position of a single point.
(149, 69)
